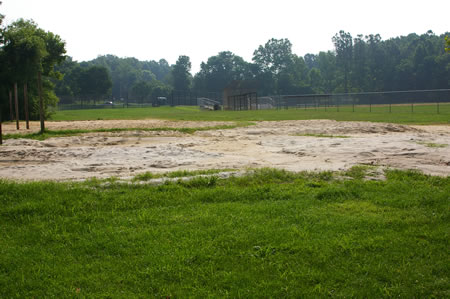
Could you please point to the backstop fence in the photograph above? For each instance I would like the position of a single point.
(244, 101)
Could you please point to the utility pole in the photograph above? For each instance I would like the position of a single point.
(1, 138)
(11, 115)
(25, 99)
(16, 101)
(41, 103)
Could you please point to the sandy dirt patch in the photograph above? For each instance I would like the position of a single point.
(266, 144)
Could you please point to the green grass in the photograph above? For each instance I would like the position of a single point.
(423, 114)
(272, 234)
(65, 133)
(177, 174)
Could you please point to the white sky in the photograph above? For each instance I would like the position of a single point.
(150, 30)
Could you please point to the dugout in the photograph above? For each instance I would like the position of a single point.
(241, 95)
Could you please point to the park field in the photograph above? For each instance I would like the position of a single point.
(404, 114)
(134, 203)
(270, 233)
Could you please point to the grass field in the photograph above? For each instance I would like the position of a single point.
(423, 114)
(66, 133)
(271, 234)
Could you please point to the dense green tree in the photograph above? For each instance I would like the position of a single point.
(266, 81)
(142, 90)
(294, 78)
(1, 22)
(363, 63)
(27, 53)
(315, 80)
(90, 82)
(311, 60)
(274, 56)
(392, 59)
(181, 77)
(327, 65)
(160, 89)
(3, 73)
(68, 86)
(125, 72)
(160, 69)
(219, 71)
(278, 68)
(375, 63)
(343, 44)
(360, 63)
(94, 82)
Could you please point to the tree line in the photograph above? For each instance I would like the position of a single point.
(110, 76)
(357, 64)
(364, 63)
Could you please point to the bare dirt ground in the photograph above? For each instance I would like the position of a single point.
(267, 144)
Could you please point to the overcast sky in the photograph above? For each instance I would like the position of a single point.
(150, 30)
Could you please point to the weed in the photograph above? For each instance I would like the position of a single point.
(431, 144)
(358, 171)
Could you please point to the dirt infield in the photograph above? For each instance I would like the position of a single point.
(280, 144)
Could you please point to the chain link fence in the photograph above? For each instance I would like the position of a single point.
(432, 101)
(438, 100)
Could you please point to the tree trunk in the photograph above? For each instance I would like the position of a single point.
(11, 115)
(16, 101)
(25, 99)
(41, 103)
(1, 138)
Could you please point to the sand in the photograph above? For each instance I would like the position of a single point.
(280, 144)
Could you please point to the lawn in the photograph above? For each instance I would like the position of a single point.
(420, 114)
(269, 234)
(66, 133)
